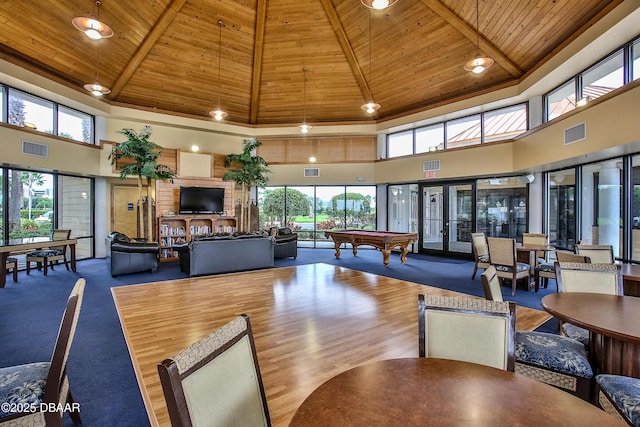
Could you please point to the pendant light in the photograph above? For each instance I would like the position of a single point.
(91, 25)
(371, 106)
(304, 127)
(96, 88)
(378, 4)
(218, 114)
(480, 63)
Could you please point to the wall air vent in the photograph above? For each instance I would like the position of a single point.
(575, 133)
(35, 149)
(431, 165)
(311, 172)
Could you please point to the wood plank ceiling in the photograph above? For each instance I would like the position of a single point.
(408, 58)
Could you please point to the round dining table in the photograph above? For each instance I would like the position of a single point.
(439, 392)
(613, 322)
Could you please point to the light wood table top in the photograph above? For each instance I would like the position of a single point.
(310, 323)
(439, 392)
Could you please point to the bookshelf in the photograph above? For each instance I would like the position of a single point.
(180, 229)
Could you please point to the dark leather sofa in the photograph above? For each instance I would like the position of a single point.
(286, 242)
(126, 255)
(225, 253)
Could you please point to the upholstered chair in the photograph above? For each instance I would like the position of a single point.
(46, 257)
(547, 270)
(467, 329)
(216, 381)
(620, 396)
(12, 264)
(44, 385)
(491, 284)
(502, 253)
(585, 277)
(480, 252)
(599, 254)
(556, 360)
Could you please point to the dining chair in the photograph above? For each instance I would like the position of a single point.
(538, 239)
(44, 385)
(480, 252)
(585, 277)
(502, 252)
(46, 257)
(491, 284)
(556, 360)
(216, 381)
(547, 270)
(599, 254)
(12, 264)
(467, 329)
(619, 396)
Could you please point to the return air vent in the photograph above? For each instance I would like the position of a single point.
(35, 149)
(431, 165)
(311, 172)
(575, 133)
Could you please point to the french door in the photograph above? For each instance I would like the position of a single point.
(447, 218)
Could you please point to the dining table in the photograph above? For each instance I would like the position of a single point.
(529, 253)
(441, 392)
(16, 246)
(631, 279)
(613, 322)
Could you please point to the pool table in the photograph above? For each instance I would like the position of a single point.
(382, 240)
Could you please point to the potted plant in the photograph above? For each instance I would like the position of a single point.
(140, 159)
(247, 170)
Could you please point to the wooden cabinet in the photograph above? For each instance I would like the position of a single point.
(177, 230)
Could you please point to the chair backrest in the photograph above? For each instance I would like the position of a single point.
(491, 284)
(594, 278)
(536, 239)
(562, 256)
(502, 251)
(599, 254)
(57, 370)
(479, 245)
(468, 329)
(216, 381)
(60, 234)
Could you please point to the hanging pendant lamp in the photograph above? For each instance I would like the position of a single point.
(371, 106)
(91, 25)
(304, 127)
(480, 63)
(96, 88)
(218, 113)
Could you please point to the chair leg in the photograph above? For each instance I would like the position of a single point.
(46, 264)
(28, 266)
(75, 415)
(475, 270)
(536, 279)
(66, 263)
(15, 272)
(514, 283)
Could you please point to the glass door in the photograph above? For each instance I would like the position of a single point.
(447, 218)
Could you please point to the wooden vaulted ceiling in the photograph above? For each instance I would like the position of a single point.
(409, 57)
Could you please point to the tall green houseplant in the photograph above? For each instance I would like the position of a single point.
(140, 159)
(247, 170)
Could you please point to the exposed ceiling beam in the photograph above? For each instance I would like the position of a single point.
(473, 36)
(346, 49)
(258, 53)
(147, 44)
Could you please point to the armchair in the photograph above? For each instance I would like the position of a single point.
(126, 255)
(286, 242)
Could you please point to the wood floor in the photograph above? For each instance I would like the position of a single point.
(310, 322)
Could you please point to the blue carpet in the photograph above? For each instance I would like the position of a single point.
(100, 370)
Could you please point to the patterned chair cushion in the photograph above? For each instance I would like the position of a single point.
(11, 260)
(577, 333)
(44, 253)
(546, 266)
(22, 384)
(483, 258)
(624, 393)
(521, 266)
(553, 352)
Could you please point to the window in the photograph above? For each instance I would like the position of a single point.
(75, 125)
(464, 131)
(505, 123)
(30, 111)
(561, 100)
(400, 144)
(3, 97)
(430, 138)
(562, 209)
(635, 55)
(604, 77)
(501, 207)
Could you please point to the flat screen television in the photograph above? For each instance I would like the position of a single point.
(201, 200)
